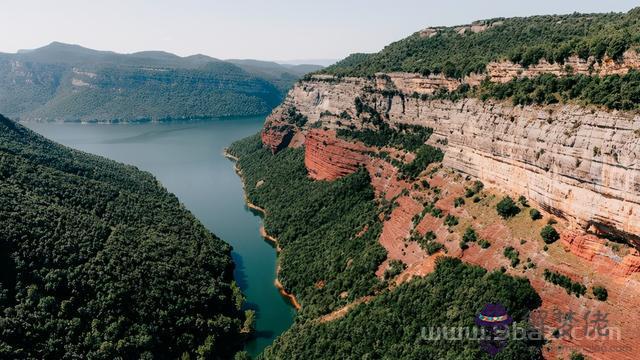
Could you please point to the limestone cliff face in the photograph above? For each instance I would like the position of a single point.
(578, 163)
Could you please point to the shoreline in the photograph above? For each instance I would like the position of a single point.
(263, 232)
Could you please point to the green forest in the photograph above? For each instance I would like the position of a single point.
(391, 325)
(99, 261)
(323, 261)
(64, 82)
(522, 40)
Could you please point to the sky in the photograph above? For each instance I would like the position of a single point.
(257, 29)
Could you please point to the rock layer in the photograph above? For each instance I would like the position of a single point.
(328, 158)
(578, 163)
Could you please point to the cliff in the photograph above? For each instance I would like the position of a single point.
(578, 163)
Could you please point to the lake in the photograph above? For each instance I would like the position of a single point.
(187, 157)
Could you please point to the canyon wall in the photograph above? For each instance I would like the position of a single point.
(578, 163)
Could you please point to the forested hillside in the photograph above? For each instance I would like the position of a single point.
(70, 83)
(99, 261)
(391, 325)
(459, 51)
(315, 223)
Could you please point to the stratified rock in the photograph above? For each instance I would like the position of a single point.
(578, 163)
(328, 158)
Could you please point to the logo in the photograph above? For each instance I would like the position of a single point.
(495, 321)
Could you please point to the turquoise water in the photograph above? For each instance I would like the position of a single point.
(187, 157)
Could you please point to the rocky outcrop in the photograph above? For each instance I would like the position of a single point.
(277, 138)
(506, 70)
(328, 158)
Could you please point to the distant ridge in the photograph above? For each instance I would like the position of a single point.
(66, 82)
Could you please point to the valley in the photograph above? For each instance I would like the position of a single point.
(480, 177)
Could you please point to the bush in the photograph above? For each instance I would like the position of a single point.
(484, 243)
(600, 293)
(549, 234)
(470, 235)
(507, 208)
(523, 201)
(395, 268)
(451, 220)
(458, 202)
(475, 189)
(513, 255)
(576, 356)
(564, 281)
(535, 214)
(433, 247)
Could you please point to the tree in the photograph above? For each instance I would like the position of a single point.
(535, 214)
(549, 234)
(507, 208)
(523, 201)
(600, 293)
(470, 235)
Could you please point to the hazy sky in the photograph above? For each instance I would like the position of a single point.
(260, 29)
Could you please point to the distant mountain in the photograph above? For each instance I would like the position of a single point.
(63, 82)
(321, 62)
(281, 75)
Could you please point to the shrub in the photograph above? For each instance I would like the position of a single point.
(484, 243)
(475, 189)
(600, 293)
(507, 208)
(549, 234)
(523, 201)
(451, 220)
(535, 214)
(395, 268)
(564, 281)
(458, 202)
(470, 235)
(576, 356)
(433, 247)
(463, 245)
(513, 255)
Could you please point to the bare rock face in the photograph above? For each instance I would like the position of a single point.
(277, 138)
(578, 163)
(504, 71)
(603, 258)
(328, 158)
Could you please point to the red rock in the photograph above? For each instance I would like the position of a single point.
(277, 138)
(328, 158)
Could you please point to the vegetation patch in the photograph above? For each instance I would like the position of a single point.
(391, 324)
(513, 255)
(564, 281)
(507, 208)
(600, 292)
(549, 234)
(521, 40)
(316, 223)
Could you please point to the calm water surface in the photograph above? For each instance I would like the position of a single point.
(187, 158)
